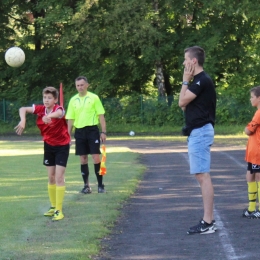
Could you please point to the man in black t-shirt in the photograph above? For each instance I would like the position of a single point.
(198, 101)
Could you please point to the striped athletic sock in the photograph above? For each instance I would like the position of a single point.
(258, 193)
(252, 194)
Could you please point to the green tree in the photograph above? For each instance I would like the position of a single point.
(37, 27)
(122, 45)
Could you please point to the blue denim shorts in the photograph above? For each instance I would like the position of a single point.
(199, 143)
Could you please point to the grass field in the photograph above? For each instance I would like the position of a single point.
(27, 234)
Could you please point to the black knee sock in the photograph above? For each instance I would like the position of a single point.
(99, 177)
(84, 172)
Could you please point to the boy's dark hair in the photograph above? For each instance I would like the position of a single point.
(80, 78)
(51, 90)
(256, 91)
(196, 52)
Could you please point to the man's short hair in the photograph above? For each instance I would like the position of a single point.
(51, 90)
(80, 78)
(196, 52)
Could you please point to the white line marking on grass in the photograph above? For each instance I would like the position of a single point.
(222, 232)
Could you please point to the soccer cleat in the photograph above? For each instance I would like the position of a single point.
(251, 214)
(202, 228)
(58, 215)
(50, 212)
(101, 189)
(214, 225)
(255, 214)
(246, 213)
(86, 190)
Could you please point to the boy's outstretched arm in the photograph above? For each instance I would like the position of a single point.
(22, 112)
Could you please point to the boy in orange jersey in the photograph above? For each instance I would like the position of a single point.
(53, 126)
(253, 157)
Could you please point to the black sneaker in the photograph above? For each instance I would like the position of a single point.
(202, 228)
(101, 189)
(86, 190)
(251, 214)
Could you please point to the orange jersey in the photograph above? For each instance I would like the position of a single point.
(253, 143)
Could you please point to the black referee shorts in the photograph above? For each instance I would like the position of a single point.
(56, 155)
(87, 140)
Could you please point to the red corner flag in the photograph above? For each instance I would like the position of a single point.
(61, 95)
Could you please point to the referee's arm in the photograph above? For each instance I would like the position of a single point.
(103, 127)
(70, 126)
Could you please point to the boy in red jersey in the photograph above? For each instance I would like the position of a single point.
(53, 126)
(253, 157)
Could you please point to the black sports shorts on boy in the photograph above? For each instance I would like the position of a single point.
(87, 140)
(253, 168)
(56, 155)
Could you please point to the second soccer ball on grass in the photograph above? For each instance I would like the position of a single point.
(131, 133)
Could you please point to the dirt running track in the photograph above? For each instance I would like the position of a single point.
(167, 202)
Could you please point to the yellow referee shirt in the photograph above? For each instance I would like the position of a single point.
(85, 110)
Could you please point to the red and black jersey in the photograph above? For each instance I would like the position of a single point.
(56, 132)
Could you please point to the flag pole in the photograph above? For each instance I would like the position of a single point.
(61, 95)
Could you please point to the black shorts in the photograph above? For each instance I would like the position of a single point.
(253, 168)
(87, 140)
(56, 155)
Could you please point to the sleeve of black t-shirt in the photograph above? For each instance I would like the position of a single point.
(196, 87)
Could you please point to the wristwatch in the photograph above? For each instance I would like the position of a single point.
(185, 83)
(104, 133)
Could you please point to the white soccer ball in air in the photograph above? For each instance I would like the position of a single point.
(15, 57)
(131, 133)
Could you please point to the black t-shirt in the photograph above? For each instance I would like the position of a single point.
(201, 110)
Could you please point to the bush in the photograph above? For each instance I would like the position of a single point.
(147, 111)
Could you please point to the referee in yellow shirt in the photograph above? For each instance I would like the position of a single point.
(84, 112)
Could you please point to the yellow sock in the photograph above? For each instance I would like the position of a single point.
(60, 191)
(252, 194)
(258, 193)
(52, 194)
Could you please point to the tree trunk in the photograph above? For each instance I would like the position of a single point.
(159, 67)
(160, 79)
(37, 14)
